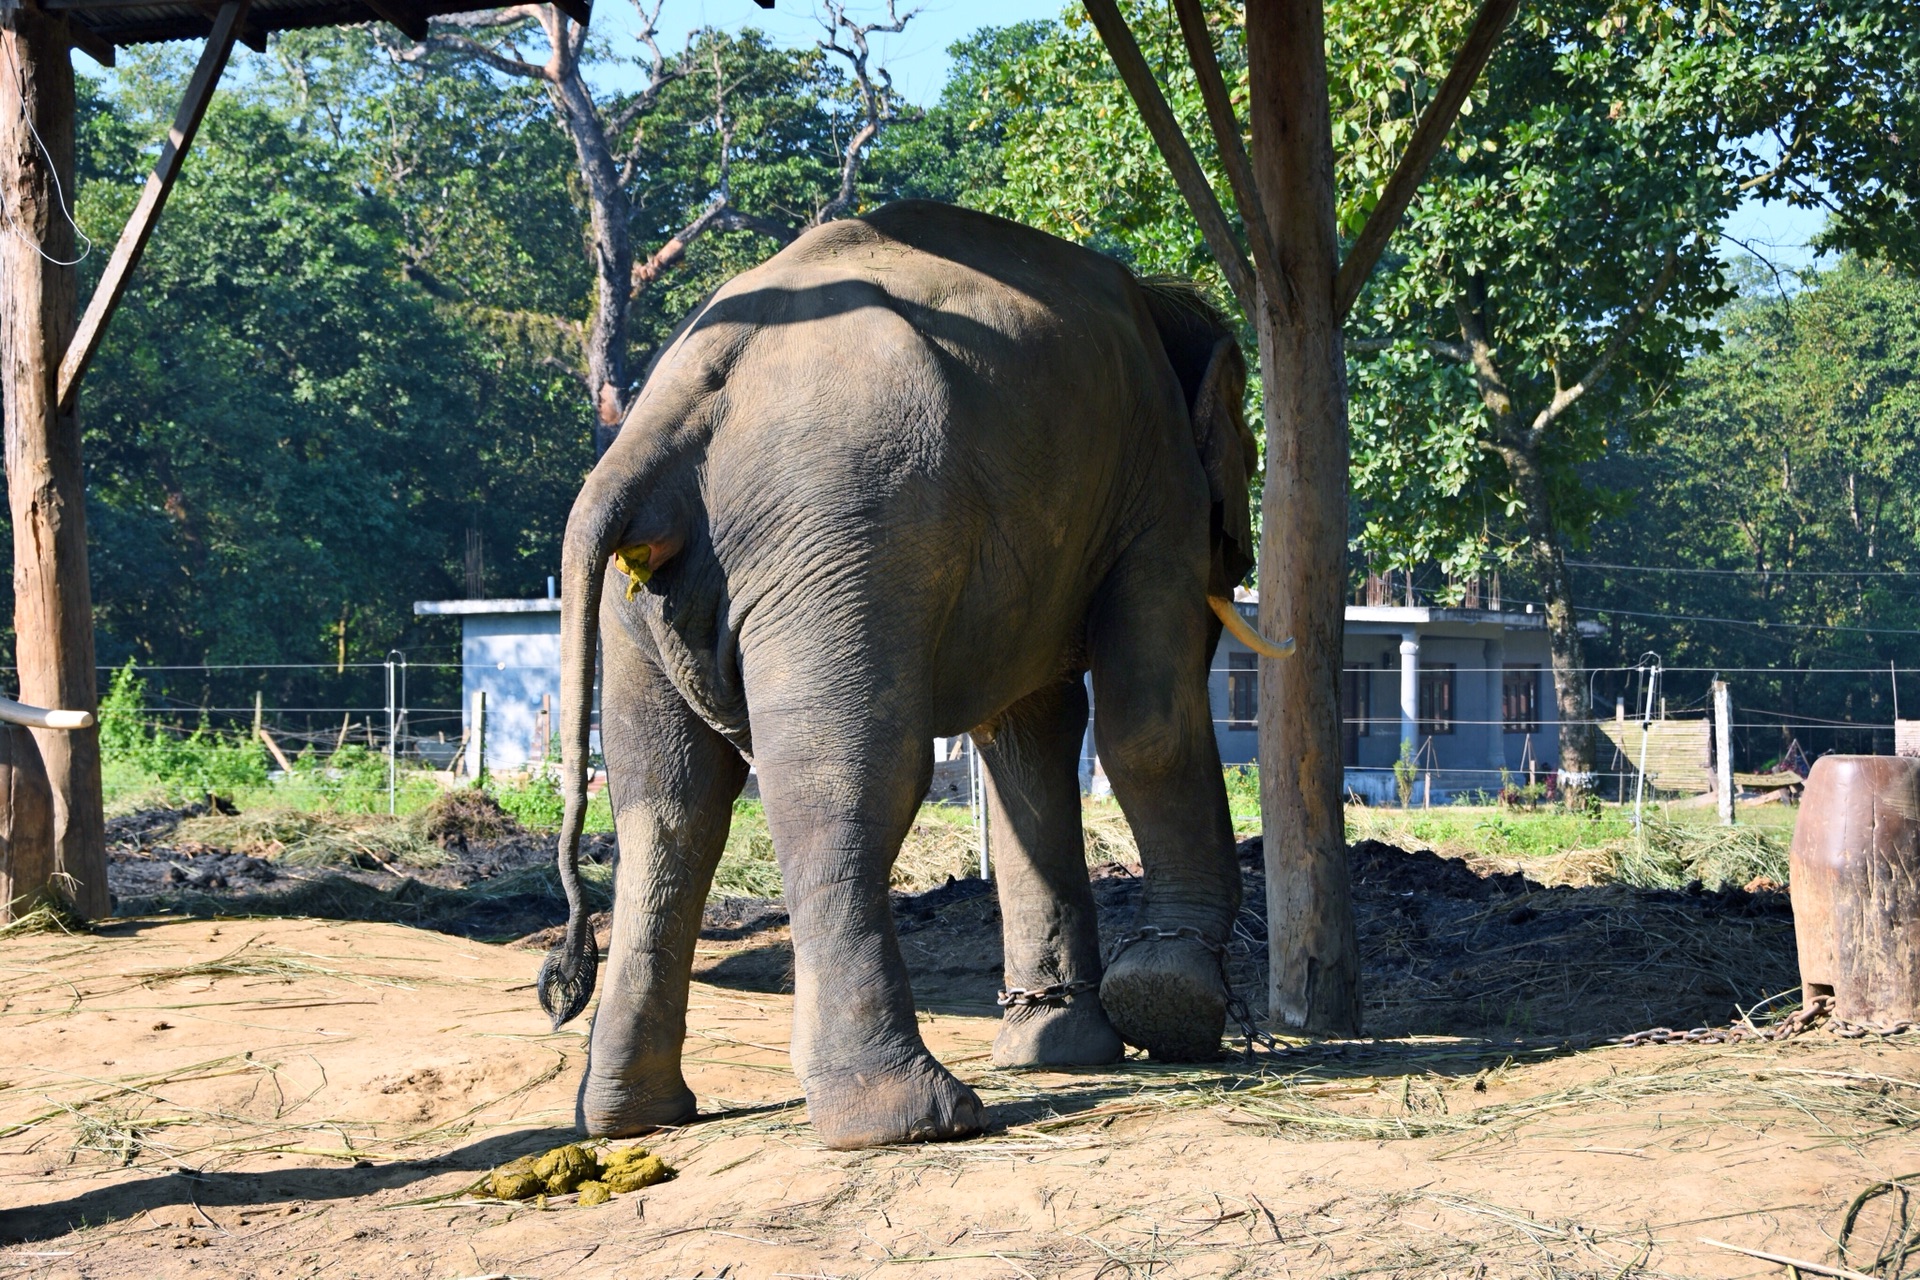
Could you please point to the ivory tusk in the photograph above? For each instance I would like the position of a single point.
(1237, 628)
(41, 718)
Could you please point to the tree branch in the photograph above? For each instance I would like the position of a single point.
(467, 47)
(1233, 151)
(1432, 130)
(1623, 334)
(875, 89)
(1176, 151)
(1470, 306)
(660, 74)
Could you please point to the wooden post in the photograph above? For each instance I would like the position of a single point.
(146, 214)
(479, 731)
(53, 605)
(1314, 974)
(26, 825)
(1723, 749)
(1855, 881)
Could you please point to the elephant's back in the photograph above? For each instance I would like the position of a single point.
(937, 418)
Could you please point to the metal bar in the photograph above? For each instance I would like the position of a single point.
(1175, 149)
(13, 712)
(1432, 130)
(146, 214)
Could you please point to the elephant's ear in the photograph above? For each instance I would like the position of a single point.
(1230, 456)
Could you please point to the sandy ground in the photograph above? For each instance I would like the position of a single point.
(308, 1098)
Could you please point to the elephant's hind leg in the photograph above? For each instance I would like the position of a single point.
(1040, 868)
(672, 781)
(842, 779)
(1165, 987)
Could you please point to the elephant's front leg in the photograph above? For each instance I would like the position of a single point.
(841, 785)
(1052, 937)
(672, 780)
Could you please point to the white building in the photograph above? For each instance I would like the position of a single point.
(1468, 692)
(510, 650)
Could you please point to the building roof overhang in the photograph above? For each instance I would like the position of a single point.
(471, 608)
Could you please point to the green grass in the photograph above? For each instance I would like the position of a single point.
(1490, 831)
(333, 809)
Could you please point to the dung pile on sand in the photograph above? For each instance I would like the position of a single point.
(595, 1174)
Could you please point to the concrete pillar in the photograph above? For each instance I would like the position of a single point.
(1496, 661)
(1410, 692)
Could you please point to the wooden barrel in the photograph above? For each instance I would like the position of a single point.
(1856, 886)
(26, 824)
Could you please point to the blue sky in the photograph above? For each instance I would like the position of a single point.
(917, 57)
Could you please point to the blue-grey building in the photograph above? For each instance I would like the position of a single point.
(1467, 691)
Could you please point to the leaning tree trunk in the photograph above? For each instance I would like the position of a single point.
(612, 246)
(52, 601)
(1314, 980)
(1549, 561)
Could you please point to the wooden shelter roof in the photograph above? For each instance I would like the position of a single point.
(105, 23)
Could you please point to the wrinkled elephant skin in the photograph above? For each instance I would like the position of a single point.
(913, 477)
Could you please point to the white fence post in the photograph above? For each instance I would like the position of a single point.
(977, 791)
(1723, 749)
(393, 725)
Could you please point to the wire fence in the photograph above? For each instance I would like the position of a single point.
(404, 715)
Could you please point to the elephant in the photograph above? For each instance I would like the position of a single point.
(913, 476)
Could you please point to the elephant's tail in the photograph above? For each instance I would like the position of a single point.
(601, 515)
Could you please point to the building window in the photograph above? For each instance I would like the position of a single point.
(1354, 724)
(1353, 699)
(1243, 690)
(1520, 697)
(1436, 698)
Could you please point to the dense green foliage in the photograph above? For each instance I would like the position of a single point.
(1778, 511)
(352, 350)
(348, 374)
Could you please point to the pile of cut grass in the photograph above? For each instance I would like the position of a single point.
(318, 838)
(1673, 855)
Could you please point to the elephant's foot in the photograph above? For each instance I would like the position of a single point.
(1076, 1034)
(611, 1108)
(1166, 995)
(917, 1101)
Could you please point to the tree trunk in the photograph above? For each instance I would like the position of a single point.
(612, 242)
(53, 606)
(1314, 976)
(1563, 624)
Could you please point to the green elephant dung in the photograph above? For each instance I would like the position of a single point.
(597, 1176)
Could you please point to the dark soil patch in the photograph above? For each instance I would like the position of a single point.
(492, 889)
(1445, 950)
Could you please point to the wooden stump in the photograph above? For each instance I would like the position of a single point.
(26, 825)
(1856, 887)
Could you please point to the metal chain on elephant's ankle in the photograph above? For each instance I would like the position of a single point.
(1236, 1007)
(1150, 933)
(1804, 1019)
(1054, 993)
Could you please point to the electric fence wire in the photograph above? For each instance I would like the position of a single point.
(60, 199)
